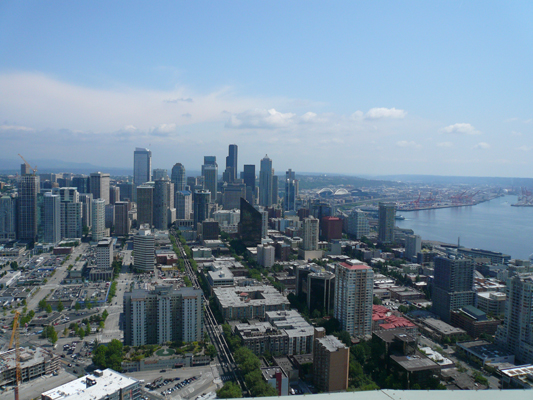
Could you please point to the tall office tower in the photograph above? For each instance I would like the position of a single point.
(230, 174)
(7, 218)
(122, 222)
(357, 224)
(86, 200)
(264, 224)
(231, 197)
(192, 182)
(183, 204)
(71, 212)
(104, 253)
(265, 182)
(159, 173)
(171, 194)
(275, 189)
(413, 246)
(250, 225)
(310, 234)
(109, 216)
(25, 169)
(162, 315)
(27, 208)
(387, 215)
(178, 177)
(210, 174)
(81, 182)
(516, 333)
(331, 362)
(114, 194)
(142, 167)
(126, 191)
(144, 249)
(453, 285)
(145, 205)
(98, 220)
(354, 283)
(100, 186)
(249, 180)
(161, 204)
(291, 191)
(51, 218)
(201, 206)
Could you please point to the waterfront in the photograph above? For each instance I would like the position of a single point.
(493, 225)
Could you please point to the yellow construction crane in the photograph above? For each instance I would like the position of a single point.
(29, 166)
(15, 336)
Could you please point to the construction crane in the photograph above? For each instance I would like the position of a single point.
(15, 336)
(29, 166)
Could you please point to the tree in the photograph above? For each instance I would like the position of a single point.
(230, 390)
(87, 330)
(88, 304)
(48, 308)
(65, 331)
(42, 304)
(81, 333)
(60, 306)
(211, 351)
(104, 315)
(77, 306)
(52, 336)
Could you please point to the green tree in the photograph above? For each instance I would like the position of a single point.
(48, 308)
(211, 351)
(52, 337)
(60, 306)
(81, 333)
(104, 315)
(65, 331)
(87, 330)
(230, 390)
(77, 306)
(42, 304)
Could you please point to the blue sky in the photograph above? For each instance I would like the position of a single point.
(370, 88)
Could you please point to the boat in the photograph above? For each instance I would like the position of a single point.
(399, 217)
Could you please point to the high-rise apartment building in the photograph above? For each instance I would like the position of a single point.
(183, 202)
(453, 285)
(291, 191)
(71, 212)
(387, 218)
(144, 249)
(100, 186)
(413, 246)
(178, 177)
(51, 219)
(104, 253)
(331, 362)
(7, 217)
(210, 174)
(145, 204)
(310, 234)
(265, 182)
(142, 167)
(122, 221)
(86, 200)
(161, 204)
(114, 194)
(163, 315)
(516, 333)
(357, 224)
(98, 220)
(201, 206)
(249, 180)
(354, 290)
(27, 208)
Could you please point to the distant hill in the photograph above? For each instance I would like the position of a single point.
(470, 180)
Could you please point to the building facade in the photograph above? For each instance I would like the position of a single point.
(266, 182)
(27, 218)
(51, 218)
(144, 249)
(100, 186)
(357, 224)
(98, 219)
(386, 223)
(291, 191)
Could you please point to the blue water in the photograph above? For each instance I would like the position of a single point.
(493, 225)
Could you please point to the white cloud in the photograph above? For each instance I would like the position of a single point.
(263, 119)
(482, 146)
(129, 128)
(445, 144)
(166, 128)
(15, 128)
(514, 133)
(461, 128)
(384, 113)
(405, 143)
(525, 148)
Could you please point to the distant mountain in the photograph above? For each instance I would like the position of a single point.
(470, 180)
(56, 166)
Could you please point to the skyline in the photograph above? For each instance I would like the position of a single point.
(360, 89)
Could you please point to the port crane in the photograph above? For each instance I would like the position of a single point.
(29, 166)
(15, 337)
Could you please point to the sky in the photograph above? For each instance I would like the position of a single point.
(373, 88)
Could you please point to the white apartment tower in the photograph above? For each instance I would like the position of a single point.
(144, 249)
(310, 234)
(354, 283)
(98, 219)
(104, 253)
(51, 218)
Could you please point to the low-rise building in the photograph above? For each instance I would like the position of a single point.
(474, 321)
(277, 378)
(486, 353)
(33, 364)
(492, 303)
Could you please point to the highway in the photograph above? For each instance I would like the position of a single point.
(226, 361)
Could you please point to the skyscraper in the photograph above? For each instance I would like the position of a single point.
(249, 181)
(71, 212)
(230, 174)
(86, 200)
(161, 204)
(98, 222)
(201, 206)
(122, 222)
(357, 224)
(265, 182)
(178, 177)
(387, 215)
(145, 204)
(51, 218)
(516, 334)
(250, 225)
(354, 291)
(82, 183)
(291, 191)
(310, 234)
(27, 208)
(210, 174)
(100, 186)
(7, 218)
(160, 173)
(453, 285)
(413, 246)
(144, 249)
(114, 194)
(142, 166)
(183, 204)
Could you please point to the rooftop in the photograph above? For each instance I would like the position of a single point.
(331, 343)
